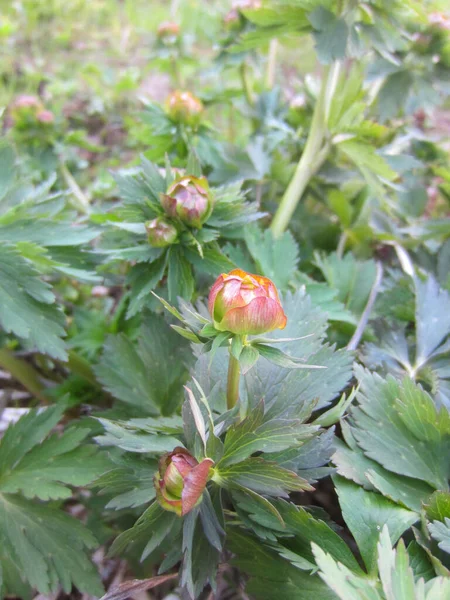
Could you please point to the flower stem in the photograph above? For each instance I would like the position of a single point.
(314, 154)
(233, 382)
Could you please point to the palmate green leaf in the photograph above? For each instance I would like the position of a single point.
(27, 433)
(397, 425)
(365, 157)
(427, 359)
(213, 262)
(180, 278)
(276, 259)
(352, 279)
(148, 376)
(304, 529)
(200, 558)
(432, 318)
(352, 463)
(43, 468)
(6, 168)
(46, 232)
(120, 366)
(271, 575)
(27, 305)
(331, 35)
(310, 460)
(143, 278)
(285, 391)
(344, 584)
(129, 482)
(398, 579)
(438, 506)
(441, 532)
(230, 209)
(31, 534)
(132, 438)
(365, 514)
(48, 546)
(58, 462)
(254, 434)
(391, 97)
(262, 477)
(325, 298)
(144, 528)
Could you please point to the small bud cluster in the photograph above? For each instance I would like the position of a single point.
(187, 203)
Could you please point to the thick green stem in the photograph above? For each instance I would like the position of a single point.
(246, 84)
(23, 372)
(82, 201)
(271, 64)
(233, 382)
(314, 155)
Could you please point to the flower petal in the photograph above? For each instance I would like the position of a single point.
(218, 285)
(194, 485)
(259, 316)
(170, 505)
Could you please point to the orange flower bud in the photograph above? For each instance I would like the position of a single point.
(188, 199)
(168, 29)
(184, 107)
(181, 480)
(161, 233)
(245, 304)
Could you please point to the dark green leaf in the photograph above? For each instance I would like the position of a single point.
(366, 513)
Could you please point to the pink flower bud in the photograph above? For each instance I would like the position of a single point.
(161, 233)
(188, 199)
(181, 480)
(45, 116)
(184, 107)
(245, 304)
(26, 101)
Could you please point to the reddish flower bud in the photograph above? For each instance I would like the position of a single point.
(184, 107)
(181, 480)
(24, 110)
(45, 116)
(168, 29)
(245, 304)
(188, 198)
(161, 233)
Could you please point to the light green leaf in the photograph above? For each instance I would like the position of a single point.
(352, 279)
(262, 477)
(331, 35)
(364, 157)
(276, 259)
(398, 426)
